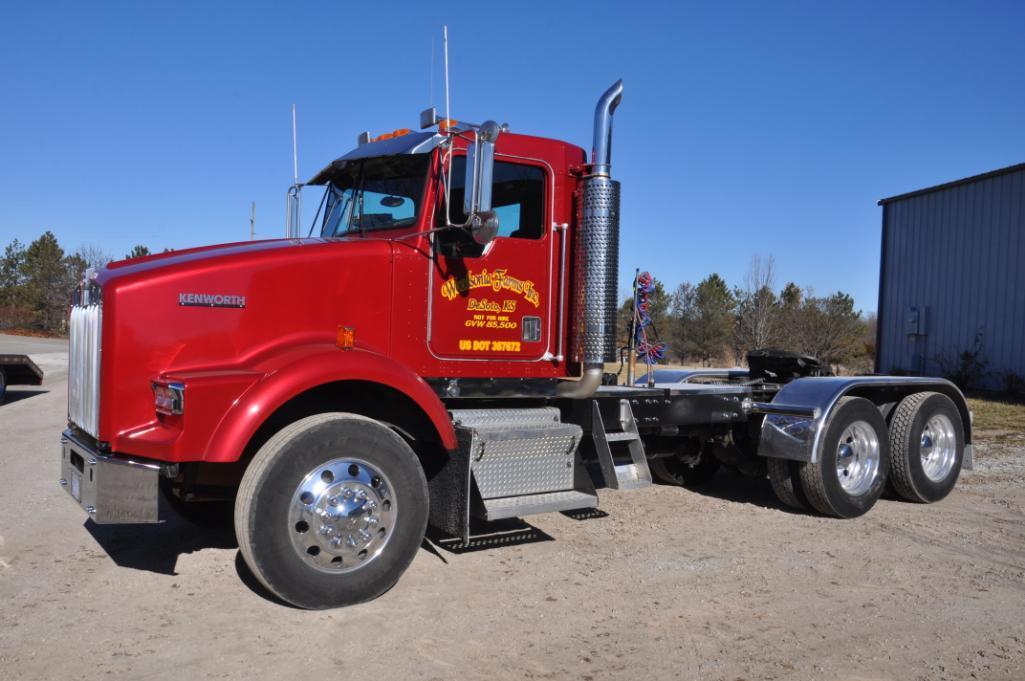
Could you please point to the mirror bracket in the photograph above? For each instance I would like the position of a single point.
(480, 165)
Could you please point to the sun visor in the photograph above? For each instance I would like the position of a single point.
(412, 143)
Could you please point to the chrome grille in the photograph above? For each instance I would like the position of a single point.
(84, 360)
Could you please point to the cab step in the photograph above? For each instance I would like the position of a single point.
(621, 470)
(530, 504)
(524, 461)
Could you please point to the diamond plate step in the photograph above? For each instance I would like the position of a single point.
(505, 418)
(530, 504)
(523, 461)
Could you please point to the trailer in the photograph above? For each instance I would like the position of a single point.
(18, 370)
(435, 356)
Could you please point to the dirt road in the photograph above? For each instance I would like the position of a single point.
(670, 584)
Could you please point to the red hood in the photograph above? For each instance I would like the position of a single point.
(188, 256)
(276, 294)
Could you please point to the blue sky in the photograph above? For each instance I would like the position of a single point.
(747, 128)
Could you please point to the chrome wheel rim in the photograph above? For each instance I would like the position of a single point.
(857, 458)
(342, 515)
(938, 448)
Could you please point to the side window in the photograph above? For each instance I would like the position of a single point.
(518, 198)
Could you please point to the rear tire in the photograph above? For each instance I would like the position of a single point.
(331, 511)
(785, 478)
(854, 461)
(926, 447)
(3, 386)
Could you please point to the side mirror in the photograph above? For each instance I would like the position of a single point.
(484, 227)
(480, 166)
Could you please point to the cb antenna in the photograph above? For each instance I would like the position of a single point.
(448, 113)
(448, 129)
(293, 214)
(295, 151)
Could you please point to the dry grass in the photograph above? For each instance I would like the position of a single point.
(997, 418)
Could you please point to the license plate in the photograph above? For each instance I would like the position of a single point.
(76, 486)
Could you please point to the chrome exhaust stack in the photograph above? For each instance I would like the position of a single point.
(596, 257)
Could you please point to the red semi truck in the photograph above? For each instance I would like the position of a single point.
(435, 355)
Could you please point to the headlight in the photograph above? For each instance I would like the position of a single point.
(169, 398)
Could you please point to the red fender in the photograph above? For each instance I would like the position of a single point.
(300, 369)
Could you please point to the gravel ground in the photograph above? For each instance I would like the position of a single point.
(722, 584)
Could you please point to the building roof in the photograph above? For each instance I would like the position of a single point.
(955, 183)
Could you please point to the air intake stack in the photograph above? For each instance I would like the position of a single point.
(596, 256)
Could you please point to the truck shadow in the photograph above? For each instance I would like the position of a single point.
(18, 395)
(730, 485)
(253, 583)
(156, 548)
(484, 536)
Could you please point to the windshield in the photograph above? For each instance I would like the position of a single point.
(375, 193)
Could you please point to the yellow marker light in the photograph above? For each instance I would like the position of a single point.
(346, 337)
(394, 133)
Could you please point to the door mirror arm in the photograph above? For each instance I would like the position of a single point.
(482, 221)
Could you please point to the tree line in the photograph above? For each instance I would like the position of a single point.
(36, 282)
(712, 323)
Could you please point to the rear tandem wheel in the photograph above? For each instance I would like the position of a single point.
(927, 447)
(854, 461)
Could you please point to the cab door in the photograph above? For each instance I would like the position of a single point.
(494, 302)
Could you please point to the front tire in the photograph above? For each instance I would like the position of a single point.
(331, 511)
(927, 447)
(854, 461)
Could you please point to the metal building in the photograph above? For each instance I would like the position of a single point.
(953, 270)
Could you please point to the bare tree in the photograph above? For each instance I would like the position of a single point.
(758, 309)
(93, 256)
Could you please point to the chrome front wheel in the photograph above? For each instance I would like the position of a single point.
(342, 515)
(331, 510)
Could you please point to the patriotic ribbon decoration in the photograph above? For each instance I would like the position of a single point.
(648, 351)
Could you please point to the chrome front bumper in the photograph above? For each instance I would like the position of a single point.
(111, 490)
